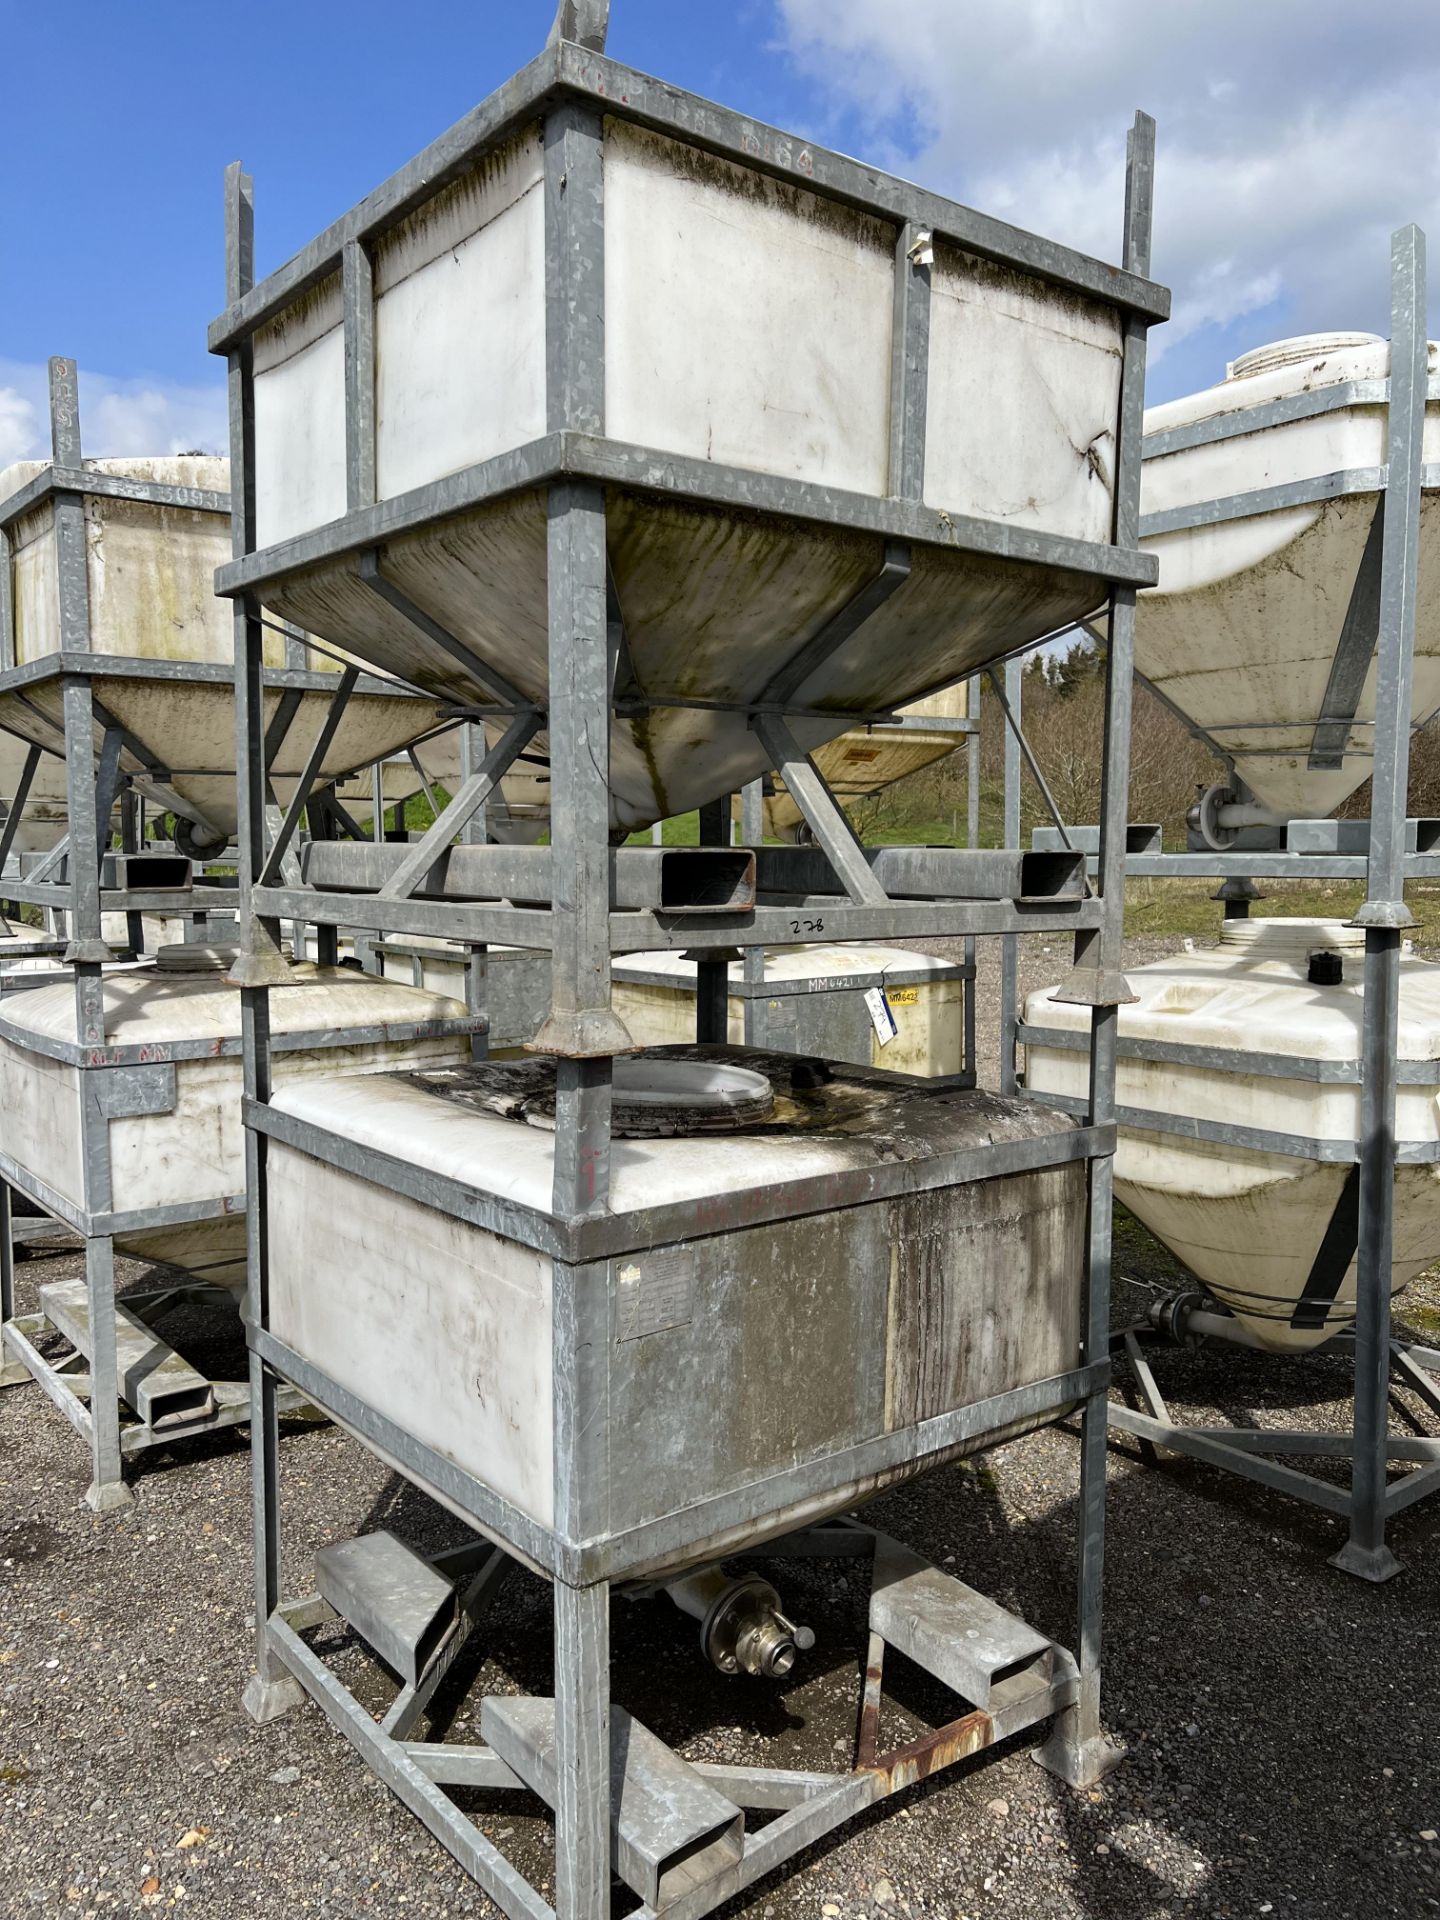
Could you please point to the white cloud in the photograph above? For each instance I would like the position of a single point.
(17, 425)
(1293, 137)
(117, 416)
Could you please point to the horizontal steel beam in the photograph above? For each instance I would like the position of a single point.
(142, 873)
(1311, 491)
(397, 1602)
(110, 486)
(1144, 837)
(1212, 1447)
(565, 71)
(564, 455)
(1226, 1133)
(688, 880)
(932, 873)
(1260, 865)
(794, 923)
(582, 1238)
(672, 1831)
(151, 1377)
(1279, 412)
(894, 975)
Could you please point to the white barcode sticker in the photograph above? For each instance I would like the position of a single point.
(881, 1018)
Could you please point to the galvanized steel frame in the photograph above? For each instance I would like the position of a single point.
(1247, 1451)
(1369, 1502)
(570, 88)
(565, 71)
(810, 1804)
(133, 1079)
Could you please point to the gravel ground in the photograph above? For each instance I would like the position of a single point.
(1277, 1714)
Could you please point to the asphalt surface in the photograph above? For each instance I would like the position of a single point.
(1277, 1714)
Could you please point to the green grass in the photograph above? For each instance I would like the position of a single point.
(1163, 908)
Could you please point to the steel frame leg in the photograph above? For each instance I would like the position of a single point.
(12, 1373)
(270, 1690)
(107, 1489)
(582, 1752)
(1366, 1552)
(1077, 1750)
(1384, 914)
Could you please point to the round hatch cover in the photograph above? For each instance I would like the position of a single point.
(653, 1095)
(194, 957)
(687, 1096)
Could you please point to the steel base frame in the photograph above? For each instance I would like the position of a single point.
(87, 1389)
(1249, 1451)
(810, 1804)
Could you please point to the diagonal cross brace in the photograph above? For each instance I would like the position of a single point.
(822, 811)
(285, 831)
(503, 690)
(470, 797)
(894, 572)
(107, 785)
(1031, 762)
(425, 787)
(1354, 651)
(52, 862)
(17, 804)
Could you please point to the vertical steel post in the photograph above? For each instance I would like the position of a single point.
(87, 950)
(474, 833)
(582, 1752)
(581, 1030)
(358, 311)
(712, 970)
(130, 842)
(969, 1062)
(752, 834)
(12, 1372)
(1384, 915)
(270, 1690)
(1009, 943)
(107, 1489)
(7, 605)
(1077, 1749)
(259, 962)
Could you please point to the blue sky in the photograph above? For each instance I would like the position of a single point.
(1293, 136)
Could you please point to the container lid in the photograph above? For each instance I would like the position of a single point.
(1291, 352)
(655, 1095)
(705, 1086)
(195, 957)
(1291, 938)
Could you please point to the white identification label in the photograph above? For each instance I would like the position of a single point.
(881, 1018)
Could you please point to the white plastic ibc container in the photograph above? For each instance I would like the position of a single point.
(814, 1003)
(1242, 629)
(1270, 1234)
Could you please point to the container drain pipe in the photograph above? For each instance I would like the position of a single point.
(743, 1628)
(1185, 1319)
